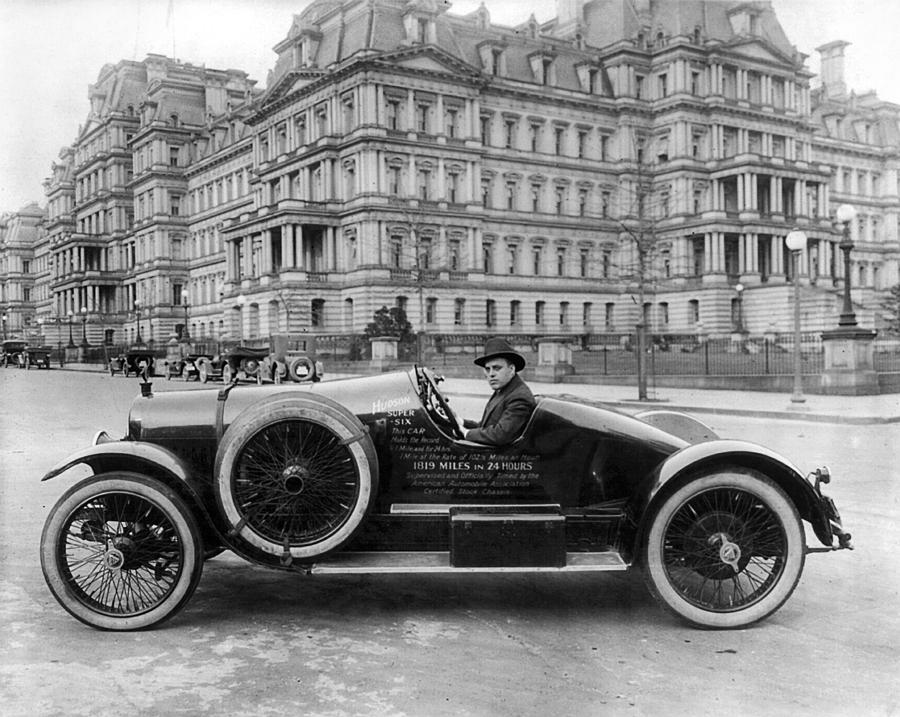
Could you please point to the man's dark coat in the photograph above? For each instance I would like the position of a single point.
(505, 415)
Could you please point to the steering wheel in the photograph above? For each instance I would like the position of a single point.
(437, 406)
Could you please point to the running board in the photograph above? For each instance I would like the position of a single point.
(439, 562)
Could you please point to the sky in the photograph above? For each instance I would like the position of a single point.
(51, 50)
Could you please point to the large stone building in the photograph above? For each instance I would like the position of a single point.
(544, 178)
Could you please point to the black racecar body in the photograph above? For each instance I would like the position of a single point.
(583, 488)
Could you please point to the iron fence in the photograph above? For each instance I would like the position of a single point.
(611, 354)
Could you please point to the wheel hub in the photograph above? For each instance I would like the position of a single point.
(114, 558)
(294, 478)
(729, 552)
(712, 541)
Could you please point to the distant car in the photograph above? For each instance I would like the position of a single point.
(137, 361)
(37, 356)
(242, 363)
(186, 368)
(372, 474)
(14, 353)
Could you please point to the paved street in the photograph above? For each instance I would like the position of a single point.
(258, 642)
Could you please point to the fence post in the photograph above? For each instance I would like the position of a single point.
(706, 357)
(605, 367)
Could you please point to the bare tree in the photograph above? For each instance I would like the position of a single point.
(645, 202)
(416, 255)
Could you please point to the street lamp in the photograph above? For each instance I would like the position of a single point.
(739, 308)
(137, 308)
(846, 213)
(184, 300)
(4, 327)
(241, 300)
(84, 341)
(796, 242)
(70, 314)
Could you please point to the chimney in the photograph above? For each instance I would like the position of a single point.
(569, 16)
(832, 68)
(569, 11)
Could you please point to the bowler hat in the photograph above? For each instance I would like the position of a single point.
(497, 347)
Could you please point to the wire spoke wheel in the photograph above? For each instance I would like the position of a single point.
(725, 550)
(296, 483)
(295, 476)
(121, 552)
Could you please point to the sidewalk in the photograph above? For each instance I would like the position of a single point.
(851, 410)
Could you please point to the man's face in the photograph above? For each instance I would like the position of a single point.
(499, 372)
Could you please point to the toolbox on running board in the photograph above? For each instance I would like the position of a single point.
(507, 537)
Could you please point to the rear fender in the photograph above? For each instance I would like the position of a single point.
(700, 458)
(145, 458)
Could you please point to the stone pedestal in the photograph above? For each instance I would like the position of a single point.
(738, 340)
(554, 359)
(173, 349)
(849, 362)
(384, 352)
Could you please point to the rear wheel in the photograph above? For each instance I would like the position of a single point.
(724, 550)
(121, 551)
(203, 371)
(227, 374)
(295, 476)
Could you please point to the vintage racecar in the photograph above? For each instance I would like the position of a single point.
(372, 474)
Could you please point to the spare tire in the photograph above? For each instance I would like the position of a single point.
(295, 476)
(302, 369)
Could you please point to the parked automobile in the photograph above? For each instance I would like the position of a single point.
(37, 356)
(137, 361)
(186, 367)
(242, 363)
(14, 353)
(372, 474)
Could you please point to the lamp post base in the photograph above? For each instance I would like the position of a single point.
(849, 362)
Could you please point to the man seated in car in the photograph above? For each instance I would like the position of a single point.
(509, 408)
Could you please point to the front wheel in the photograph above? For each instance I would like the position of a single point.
(725, 550)
(121, 551)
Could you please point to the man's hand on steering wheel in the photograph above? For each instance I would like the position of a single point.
(440, 408)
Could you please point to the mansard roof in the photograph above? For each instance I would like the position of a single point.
(337, 31)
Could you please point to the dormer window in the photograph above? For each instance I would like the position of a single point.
(744, 20)
(543, 68)
(493, 59)
(301, 54)
(420, 26)
(590, 77)
(496, 62)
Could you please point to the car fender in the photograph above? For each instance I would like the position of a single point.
(107, 455)
(698, 457)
